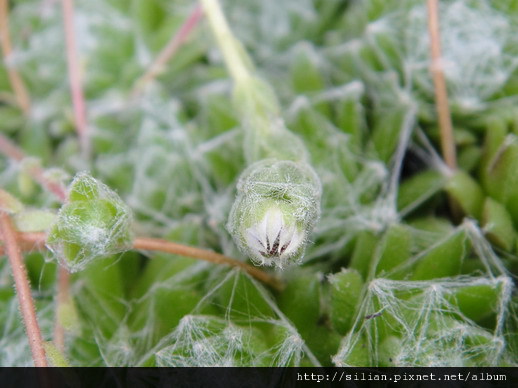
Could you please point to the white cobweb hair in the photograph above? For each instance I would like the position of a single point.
(430, 329)
(232, 339)
(475, 56)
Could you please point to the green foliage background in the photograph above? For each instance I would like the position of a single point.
(391, 277)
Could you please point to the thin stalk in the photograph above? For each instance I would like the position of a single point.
(23, 291)
(74, 76)
(14, 153)
(441, 99)
(62, 298)
(20, 91)
(234, 55)
(154, 244)
(8, 149)
(168, 51)
(27, 242)
(37, 240)
(441, 94)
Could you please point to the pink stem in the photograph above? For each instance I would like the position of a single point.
(19, 89)
(62, 298)
(12, 152)
(36, 240)
(74, 77)
(169, 50)
(23, 291)
(441, 93)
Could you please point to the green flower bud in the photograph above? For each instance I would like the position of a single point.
(277, 205)
(94, 222)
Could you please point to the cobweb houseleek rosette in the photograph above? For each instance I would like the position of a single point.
(276, 208)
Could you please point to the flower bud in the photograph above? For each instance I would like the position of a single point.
(274, 236)
(94, 222)
(277, 205)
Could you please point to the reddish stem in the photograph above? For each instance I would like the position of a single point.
(154, 244)
(441, 99)
(37, 240)
(12, 152)
(169, 50)
(19, 89)
(441, 93)
(62, 298)
(23, 291)
(74, 76)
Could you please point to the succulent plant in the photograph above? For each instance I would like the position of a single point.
(295, 147)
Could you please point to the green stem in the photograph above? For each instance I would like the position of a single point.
(234, 55)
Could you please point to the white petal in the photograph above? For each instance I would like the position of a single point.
(294, 245)
(286, 236)
(254, 241)
(261, 229)
(274, 224)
